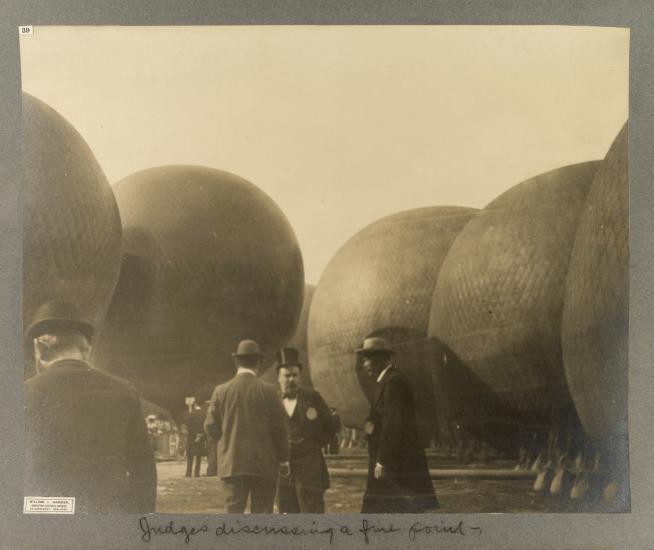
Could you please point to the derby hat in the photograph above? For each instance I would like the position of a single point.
(287, 357)
(375, 346)
(247, 348)
(58, 315)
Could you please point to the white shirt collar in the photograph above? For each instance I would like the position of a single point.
(289, 405)
(243, 370)
(382, 373)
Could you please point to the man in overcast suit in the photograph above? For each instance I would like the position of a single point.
(248, 420)
(85, 432)
(311, 426)
(398, 476)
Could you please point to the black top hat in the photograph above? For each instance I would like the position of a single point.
(287, 357)
(247, 348)
(56, 314)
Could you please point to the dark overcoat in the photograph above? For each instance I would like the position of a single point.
(317, 427)
(249, 422)
(196, 439)
(86, 438)
(393, 442)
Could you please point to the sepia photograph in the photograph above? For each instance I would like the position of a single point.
(325, 269)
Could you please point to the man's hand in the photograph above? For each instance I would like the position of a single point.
(284, 469)
(379, 471)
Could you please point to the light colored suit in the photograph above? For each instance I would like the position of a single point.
(250, 424)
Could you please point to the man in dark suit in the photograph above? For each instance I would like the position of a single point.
(196, 440)
(311, 426)
(247, 419)
(85, 432)
(398, 476)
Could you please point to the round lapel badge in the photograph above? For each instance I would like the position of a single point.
(369, 427)
(312, 413)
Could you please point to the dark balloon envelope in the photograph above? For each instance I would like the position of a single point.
(71, 226)
(380, 283)
(596, 313)
(498, 303)
(209, 259)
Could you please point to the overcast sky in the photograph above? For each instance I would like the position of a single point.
(339, 125)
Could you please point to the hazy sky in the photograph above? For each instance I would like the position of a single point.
(339, 125)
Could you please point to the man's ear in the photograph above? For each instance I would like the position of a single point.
(37, 352)
(87, 352)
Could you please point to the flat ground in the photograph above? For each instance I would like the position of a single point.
(202, 495)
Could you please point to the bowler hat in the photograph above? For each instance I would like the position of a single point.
(247, 348)
(287, 357)
(375, 346)
(56, 315)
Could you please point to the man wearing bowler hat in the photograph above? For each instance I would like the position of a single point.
(85, 432)
(247, 419)
(398, 476)
(311, 426)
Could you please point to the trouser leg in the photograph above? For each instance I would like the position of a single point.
(189, 462)
(311, 501)
(287, 500)
(263, 495)
(236, 491)
(198, 463)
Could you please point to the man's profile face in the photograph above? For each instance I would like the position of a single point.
(375, 363)
(289, 380)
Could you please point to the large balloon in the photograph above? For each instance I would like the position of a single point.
(299, 342)
(499, 298)
(209, 260)
(596, 313)
(71, 226)
(380, 283)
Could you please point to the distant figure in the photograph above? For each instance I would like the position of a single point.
(311, 425)
(85, 433)
(196, 440)
(247, 419)
(332, 447)
(153, 430)
(398, 476)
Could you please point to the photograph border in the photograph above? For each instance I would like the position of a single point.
(633, 529)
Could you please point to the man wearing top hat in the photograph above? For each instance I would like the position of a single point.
(311, 426)
(398, 476)
(247, 419)
(85, 432)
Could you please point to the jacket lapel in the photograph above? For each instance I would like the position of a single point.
(382, 386)
(301, 406)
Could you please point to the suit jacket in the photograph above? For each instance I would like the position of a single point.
(307, 462)
(395, 444)
(249, 422)
(86, 438)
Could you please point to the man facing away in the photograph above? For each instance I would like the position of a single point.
(196, 440)
(398, 476)
(85, 432)
(311, 426)
(247, 419)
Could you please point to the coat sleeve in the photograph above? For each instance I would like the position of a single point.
(393, 425)
(278, 426)
(140, 463)
(213, 423)
(330, 422)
